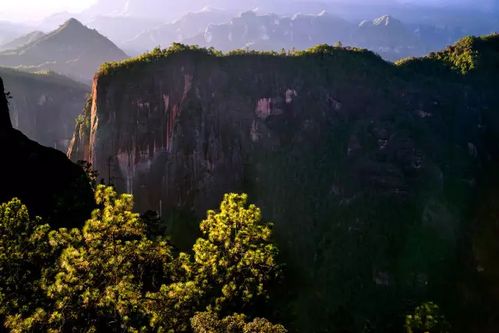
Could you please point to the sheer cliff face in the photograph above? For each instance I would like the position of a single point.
(367, 174)
(195, 127)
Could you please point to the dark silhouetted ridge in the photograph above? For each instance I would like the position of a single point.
(43, 178)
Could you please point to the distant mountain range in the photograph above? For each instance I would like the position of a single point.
(179, 30)
(73, 50)
(385, 35)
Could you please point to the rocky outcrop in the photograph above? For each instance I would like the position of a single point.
(371, 200)
(43, 178)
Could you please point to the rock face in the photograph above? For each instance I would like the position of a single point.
(44, 106)
(364, 167)
(43, 178)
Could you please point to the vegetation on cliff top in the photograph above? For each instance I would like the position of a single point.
(462, 57)
(158, 55)
(467, 55)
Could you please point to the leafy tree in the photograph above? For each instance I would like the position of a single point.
(111, 276)
(426, 319)
(104, 272)
(24, 252)
(235, 260)
(208, 322)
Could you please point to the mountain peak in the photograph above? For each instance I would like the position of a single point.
(72, 22)
(382, 21)
(85, 50)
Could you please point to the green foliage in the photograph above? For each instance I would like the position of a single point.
(83, 120)
(208, 322)
(236, 260)
(153, 56)
(157, 55)
(461, 57)
(24, 251)
(426, 319)
(114, 276)
(104, 271)
(468, 55)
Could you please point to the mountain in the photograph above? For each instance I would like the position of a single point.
(170, 10)
(44, 105)
(22, 41)
(53, 22)
(184, 28)
(380, 178)
(384, 35)
(273, 32)
(387, 36)
(73, 50)
(121, 29)
(43, 178)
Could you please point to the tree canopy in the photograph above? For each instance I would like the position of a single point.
(112, 276)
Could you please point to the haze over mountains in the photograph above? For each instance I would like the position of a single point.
(412, 28)
(73, 50)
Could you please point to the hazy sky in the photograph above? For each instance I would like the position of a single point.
(16, 10)
(28, 10)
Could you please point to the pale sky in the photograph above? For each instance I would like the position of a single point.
(31, 10)
(17, 10)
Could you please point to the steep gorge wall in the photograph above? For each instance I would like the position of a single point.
(368, 174)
